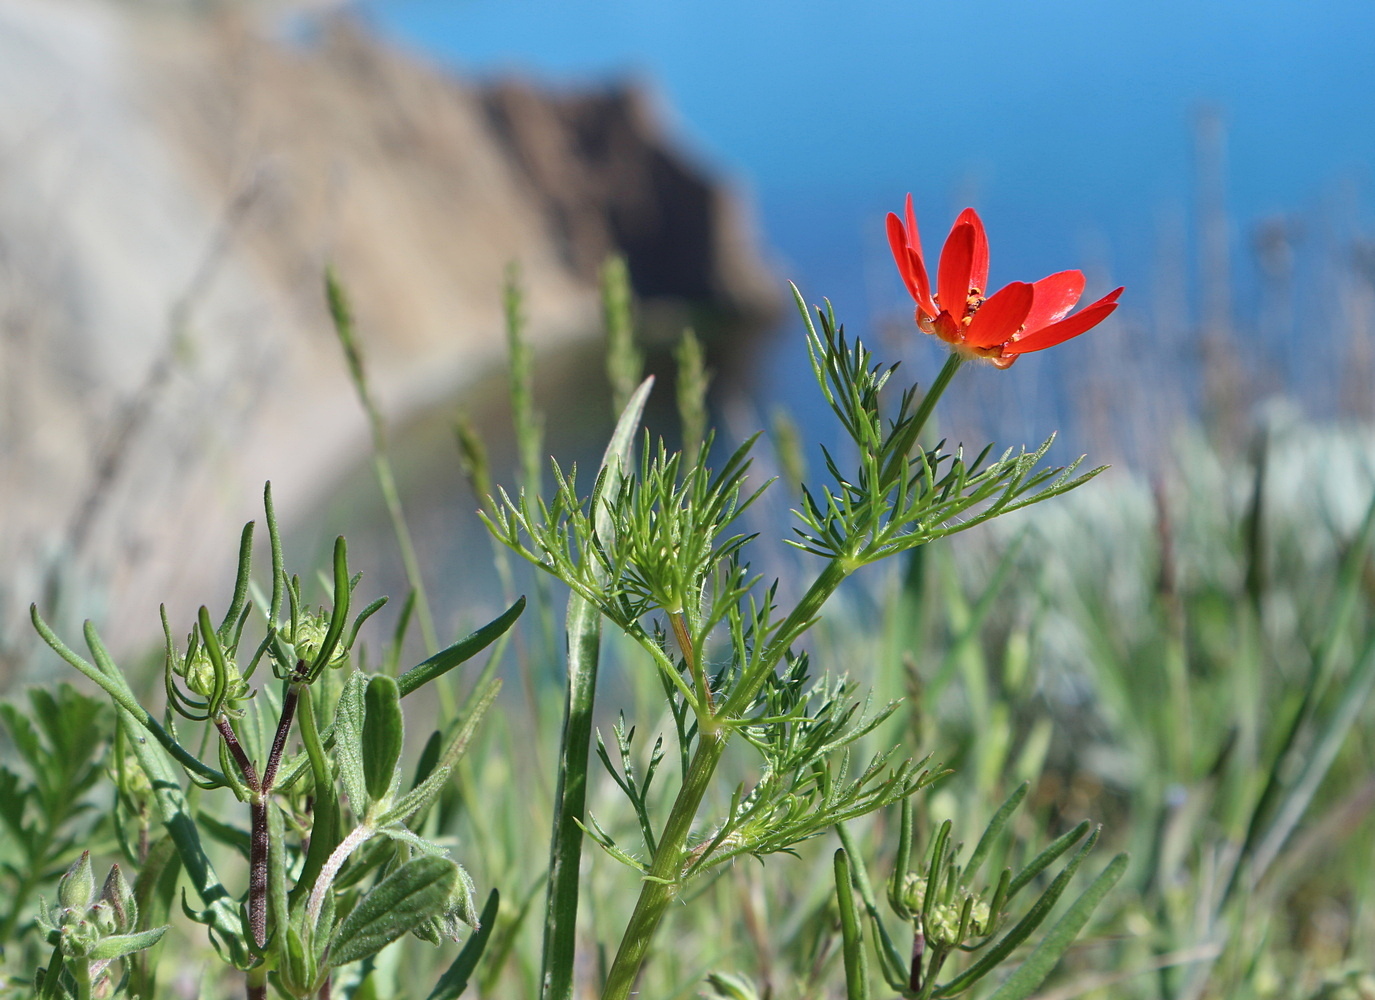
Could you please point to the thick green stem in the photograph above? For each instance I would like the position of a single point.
(257, 982)
(663, 880)
(80, 968)
(570, 799)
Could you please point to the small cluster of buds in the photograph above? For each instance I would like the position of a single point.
(90, 932)
(308, 634)
(942, 921)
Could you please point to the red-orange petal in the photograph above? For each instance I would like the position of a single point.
(910, 217)
(1057, 333)
(919, 267)
(978, 273)
(924, 300)
(952, 280)
(1056, 295)
(897, 242)
(1000, 316)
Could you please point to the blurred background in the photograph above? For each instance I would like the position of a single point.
(1184, 649)
(177, 175)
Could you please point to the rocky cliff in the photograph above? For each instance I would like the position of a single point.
(171, 188)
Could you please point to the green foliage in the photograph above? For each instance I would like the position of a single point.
(295, 931)
(1215, 720)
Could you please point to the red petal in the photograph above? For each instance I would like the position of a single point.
(978, 274)
(906, 247)
(1055, 297)
(913, 237)
(923, 297)
(957, 258)
(1057, 333)
(1000, 316)
(897, 242)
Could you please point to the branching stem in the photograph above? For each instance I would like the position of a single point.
(663, 881)
(699, 675)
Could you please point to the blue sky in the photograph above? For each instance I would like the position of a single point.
(1067, 123)
(1068, 109)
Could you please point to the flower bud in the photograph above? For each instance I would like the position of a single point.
(943, 919)
(75, 888)
(308, 638)
(102, 917)
(119, 897)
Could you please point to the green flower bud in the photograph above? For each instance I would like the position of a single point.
(299, 971)
(199, 673)
(943, 919)
(74, 889)
(309, 635)
(119, 897)
(913, 892)
(132, 780)
(102, 917)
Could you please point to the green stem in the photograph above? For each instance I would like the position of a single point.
(570, 799)
(387, 482)
(903, 446)
(342, 314)
(662, 882)
(798, 621)
(80, 968)
(257, 982)
(664, 878)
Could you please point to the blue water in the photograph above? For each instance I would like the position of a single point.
(1066, 122)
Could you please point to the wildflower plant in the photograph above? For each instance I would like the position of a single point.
(274, 706)
(337, 869)
(654, 548)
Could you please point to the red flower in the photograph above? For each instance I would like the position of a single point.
(1014, 320)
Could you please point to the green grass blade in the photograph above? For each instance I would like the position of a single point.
(1295, 804)
(584, 627)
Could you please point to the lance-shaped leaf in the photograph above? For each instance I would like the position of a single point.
(994, 828)
(1031, 973)
(463, 650)
(423, 794)
(383, 732)
(339, 618)
(119, 945)
(406, 898)
(998, 953)
(856, 967)
(348, 728)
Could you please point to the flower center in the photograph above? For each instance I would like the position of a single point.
(972, 302)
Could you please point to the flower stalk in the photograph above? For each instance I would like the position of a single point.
(664, 878)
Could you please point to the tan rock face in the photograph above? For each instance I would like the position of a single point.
(170, 192)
